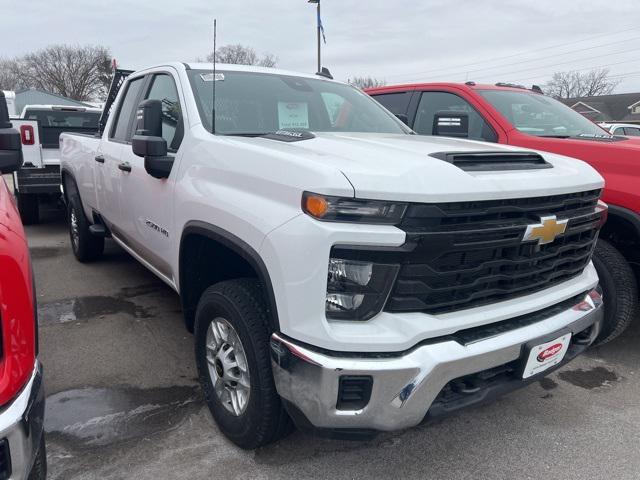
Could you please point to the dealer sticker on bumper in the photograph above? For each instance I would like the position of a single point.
(546, 355)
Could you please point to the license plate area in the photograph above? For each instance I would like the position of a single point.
(542, 354)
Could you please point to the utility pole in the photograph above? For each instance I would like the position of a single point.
(319, 28)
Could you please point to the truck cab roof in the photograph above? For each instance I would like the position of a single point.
(231, 68)
(466, 85)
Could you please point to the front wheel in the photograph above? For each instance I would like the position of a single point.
(619, 289)
(86, 247)
(234, 364)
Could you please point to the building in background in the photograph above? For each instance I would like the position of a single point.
(622, 107)
(33, 96)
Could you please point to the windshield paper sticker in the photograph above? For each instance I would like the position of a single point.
(293, 115)
(208, 77)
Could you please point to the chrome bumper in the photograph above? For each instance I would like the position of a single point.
(406, 384)
(22, 424)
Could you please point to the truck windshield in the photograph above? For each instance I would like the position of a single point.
(542, 116)
(253, 104)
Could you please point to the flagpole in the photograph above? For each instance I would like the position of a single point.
(319, 33)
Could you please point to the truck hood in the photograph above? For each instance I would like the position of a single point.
(398, 167)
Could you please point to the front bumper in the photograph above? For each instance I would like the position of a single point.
(21, 427)
(410, 386)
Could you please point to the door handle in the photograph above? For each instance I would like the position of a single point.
(125, 167)
(99, 159)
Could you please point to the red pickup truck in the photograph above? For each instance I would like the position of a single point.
(22, 449)
(514, 115)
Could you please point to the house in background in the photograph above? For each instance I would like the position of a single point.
(618, 108)
(33, 96)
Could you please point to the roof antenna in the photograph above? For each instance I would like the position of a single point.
(213, 111)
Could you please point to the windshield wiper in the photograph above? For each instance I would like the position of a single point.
(246, 134)
(555, 136)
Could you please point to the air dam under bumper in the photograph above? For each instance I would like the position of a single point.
(405, 385)
(22, 424)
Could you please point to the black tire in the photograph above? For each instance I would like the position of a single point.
(28, 207)
(241, 303)
(619, 289)
(86, 247)
(39, 469)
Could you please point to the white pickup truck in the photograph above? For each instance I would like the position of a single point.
(337, 269)
(40, 127)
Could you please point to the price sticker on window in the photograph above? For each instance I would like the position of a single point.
(293, 115)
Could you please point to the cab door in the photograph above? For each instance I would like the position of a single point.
(107, 158)
(147, 208)
(432, 102)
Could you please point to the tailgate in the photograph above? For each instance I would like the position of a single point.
(31, 150)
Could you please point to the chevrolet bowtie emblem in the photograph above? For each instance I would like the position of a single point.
(546, 231)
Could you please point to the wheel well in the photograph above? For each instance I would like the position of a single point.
(622, 233)
(619, 230)
(205, 261)
(69, 184)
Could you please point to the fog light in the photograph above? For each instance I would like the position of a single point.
(343, 302)
(349, 271)
(357, 289)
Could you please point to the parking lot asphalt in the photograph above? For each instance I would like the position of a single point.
(123, 400)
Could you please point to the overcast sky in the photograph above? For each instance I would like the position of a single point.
(399, 41)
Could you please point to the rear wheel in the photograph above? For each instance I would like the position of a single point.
(619, 289)
(234, 364)
(28, 207)
(86, 247)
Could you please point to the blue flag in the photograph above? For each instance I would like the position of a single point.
(321, 28)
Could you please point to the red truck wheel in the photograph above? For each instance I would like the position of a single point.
(620, 291)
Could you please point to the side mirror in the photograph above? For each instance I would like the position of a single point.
(148, 142)
(451, 124)
(10, 142)
(403, 118)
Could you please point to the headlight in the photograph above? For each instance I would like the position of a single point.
(339, 209)
(357, 290)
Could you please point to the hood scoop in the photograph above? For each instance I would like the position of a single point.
(493, 161)
(289, 136)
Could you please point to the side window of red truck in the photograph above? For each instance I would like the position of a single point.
(396, 103)
(434, 102)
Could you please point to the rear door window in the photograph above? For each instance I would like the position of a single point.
(121, 130)
(396, 103)
(632, 131)
(432, 103)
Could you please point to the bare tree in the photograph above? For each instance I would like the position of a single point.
(241, 55)
(9, 75)
(80, 73)
(366, 82)
(575, 84)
